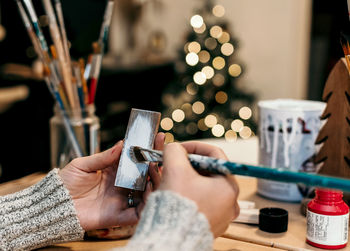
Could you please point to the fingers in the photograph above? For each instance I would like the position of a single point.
(159, 141)
(204, 149)
(99, 161)
(175, 161)
(155, 175)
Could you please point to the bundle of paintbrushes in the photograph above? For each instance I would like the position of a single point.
(344, 41)
(72, 83)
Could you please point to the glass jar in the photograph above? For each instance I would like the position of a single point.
(73, 133)
(327, 220)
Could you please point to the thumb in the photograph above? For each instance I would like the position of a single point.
(175, 161)
(101, 160)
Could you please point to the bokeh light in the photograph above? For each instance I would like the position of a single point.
(199, 78)
(196, 21)
(215, 31)
(245, 132)
(224, 38)
(235, 70)
(218, 63)
(230, 136)
(204, 56)
(227, 49)
(208, 71)
(194, 47)
(218, 130)
(201, 125)
(221, 97)
(218, 79)
(192, 58)
(198, 107)
(218, 10)
(178, 115)
(245, 112)
(169, 138)
(237, 125)
(210, 43)
(210, 120)
(166, 124)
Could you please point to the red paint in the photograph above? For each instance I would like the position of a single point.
(92, 90)
(329, 203)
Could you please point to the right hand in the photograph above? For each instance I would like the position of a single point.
(216, 197)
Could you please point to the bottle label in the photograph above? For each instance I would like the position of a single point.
(327, 229)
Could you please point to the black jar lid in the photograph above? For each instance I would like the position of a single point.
(273, 220)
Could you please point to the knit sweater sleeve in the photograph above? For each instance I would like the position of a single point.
(40, 215)
(171, 222)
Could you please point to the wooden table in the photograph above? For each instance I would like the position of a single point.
(242, 151)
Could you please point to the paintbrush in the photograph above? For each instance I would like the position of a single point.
(223, 167)
(346, 48)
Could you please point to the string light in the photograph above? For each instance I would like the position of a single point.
(218, 130)
(218, 80)
(166, 124)
(237, 125)
(199, 78)
(178, 115)
(218, 11)
(204, 56)
(198, 107)
(227, 49)
(194, 47)
(187, 108)
(215, 31)
(245, 132)
(201, 29)
(210, 43)
(224, 38)
(234, 70)
(196, 21)
(221, 97)
(219, 62)
(208, 71)
(230, 136)
(191, 128)
(192, 89)
(245, 112)
(210, 120)
(169, 138)
(192, 58)
(201, 125)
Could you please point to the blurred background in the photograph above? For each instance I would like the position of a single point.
(203, 64)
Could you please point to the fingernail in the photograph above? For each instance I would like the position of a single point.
(115, 146)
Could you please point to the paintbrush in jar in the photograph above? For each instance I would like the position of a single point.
(223, 167)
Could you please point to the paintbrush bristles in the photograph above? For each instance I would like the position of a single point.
(344, 41)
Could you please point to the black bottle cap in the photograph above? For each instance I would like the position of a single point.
(273, 220)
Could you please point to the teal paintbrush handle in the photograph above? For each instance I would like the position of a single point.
(217, 166)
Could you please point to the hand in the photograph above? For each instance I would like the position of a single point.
(216, 197)
(90, 181)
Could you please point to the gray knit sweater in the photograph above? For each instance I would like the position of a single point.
(43, 214)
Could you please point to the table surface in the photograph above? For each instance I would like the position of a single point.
(240, 151)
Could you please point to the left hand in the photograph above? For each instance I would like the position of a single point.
(90, 181)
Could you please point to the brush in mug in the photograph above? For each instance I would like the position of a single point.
(223, 167)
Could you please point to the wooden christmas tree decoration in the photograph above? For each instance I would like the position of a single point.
(335, 134)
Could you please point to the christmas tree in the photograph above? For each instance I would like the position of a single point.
(205, 101)
(335, 134)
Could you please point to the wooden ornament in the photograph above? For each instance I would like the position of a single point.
(335, 134)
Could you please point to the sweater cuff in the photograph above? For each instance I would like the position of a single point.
(40, 215)
(171, 222)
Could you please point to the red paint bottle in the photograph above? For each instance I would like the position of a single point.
(327, 220)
